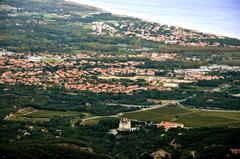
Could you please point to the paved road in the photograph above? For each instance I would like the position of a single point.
(220, 110)
(144, 109)
(151, 108)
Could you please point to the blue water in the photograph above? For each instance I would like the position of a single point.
(220, 17)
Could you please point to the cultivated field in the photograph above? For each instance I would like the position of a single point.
(35, 115)
(189, 117)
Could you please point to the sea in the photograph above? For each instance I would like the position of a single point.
(220, 17)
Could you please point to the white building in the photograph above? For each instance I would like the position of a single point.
(124, 125)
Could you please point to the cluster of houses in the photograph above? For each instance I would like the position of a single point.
(86, 71)
(129, 71)
(154, 32)
(52, 69)
(103, 87)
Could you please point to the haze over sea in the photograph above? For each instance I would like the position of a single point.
(220, 17)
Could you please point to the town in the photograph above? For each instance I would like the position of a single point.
(93, 72)
(155, 32)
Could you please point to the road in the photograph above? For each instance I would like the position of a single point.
(144, 109)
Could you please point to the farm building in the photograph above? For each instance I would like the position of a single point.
(167, 125)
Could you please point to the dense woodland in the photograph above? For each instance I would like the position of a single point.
(94, 142)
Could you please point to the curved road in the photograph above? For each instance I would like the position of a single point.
(144, 109)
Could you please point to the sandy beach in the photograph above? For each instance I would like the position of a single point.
(203, 18)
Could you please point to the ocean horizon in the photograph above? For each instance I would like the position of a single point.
(220, 17)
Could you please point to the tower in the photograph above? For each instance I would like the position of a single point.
(124, 125)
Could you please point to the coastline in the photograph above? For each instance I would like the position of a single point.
(148, 18)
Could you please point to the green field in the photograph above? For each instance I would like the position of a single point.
(189, 117)
(35, 115)
(94, 121)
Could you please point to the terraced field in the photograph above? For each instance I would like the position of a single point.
(189, 117)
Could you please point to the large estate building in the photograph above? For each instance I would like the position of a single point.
(124, 125)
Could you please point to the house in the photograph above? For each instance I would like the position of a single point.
(124, 125)
(235, 151)
(160, 154)
(167, 125)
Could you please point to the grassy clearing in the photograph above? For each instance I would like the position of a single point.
(91, 122)
(30, 114)
(94, 121)
(87, 26)
(199, 119)
(170, 110)
(50, 114)
(232, 124)
(189, 117)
